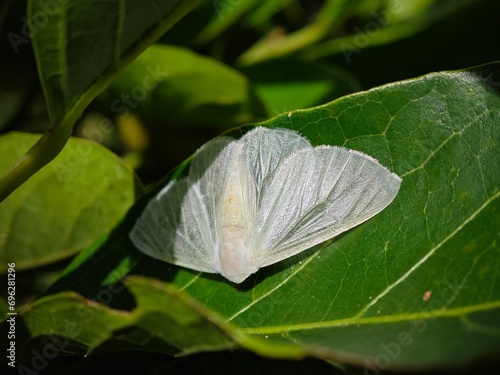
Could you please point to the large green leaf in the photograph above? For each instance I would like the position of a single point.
(79, 46)
(416, 286)
(76, 199)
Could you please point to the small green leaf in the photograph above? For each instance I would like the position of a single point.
(416, 286)
(77, 198)
(287, 84)
(176, 85)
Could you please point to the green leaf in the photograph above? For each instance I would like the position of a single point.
(178, 86)
(287, 84)
(79, 46)
(76, 199)
(416, 286)
(92, 324)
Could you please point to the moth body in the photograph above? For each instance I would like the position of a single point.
(234, 254)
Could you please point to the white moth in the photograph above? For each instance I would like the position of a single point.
(252, 202)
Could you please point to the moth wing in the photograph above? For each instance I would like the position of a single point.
(317, 194)
(179, 225)
(267, 149)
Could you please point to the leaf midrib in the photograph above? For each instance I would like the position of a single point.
(384, 319)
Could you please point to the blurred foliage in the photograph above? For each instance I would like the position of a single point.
(356, 45)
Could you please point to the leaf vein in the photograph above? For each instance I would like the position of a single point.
(427, 256)
(385, 319)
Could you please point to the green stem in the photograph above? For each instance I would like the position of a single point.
(41, 153)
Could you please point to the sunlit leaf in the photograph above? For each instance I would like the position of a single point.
(416, 286)
(76, 199)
